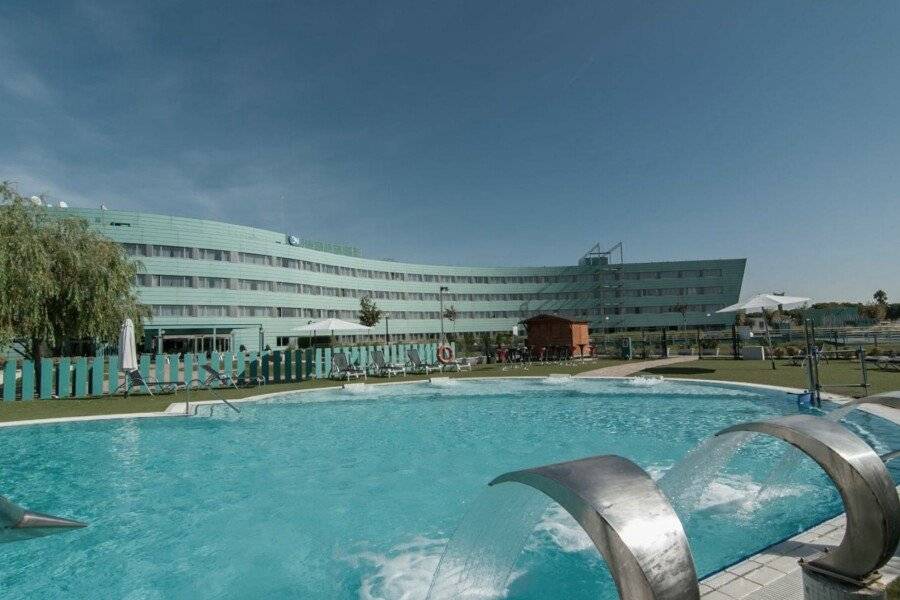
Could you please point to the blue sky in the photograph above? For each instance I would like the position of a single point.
(480, 132)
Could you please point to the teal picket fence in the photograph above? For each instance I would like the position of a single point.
(86, 376)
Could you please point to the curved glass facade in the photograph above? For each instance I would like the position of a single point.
(204, 278)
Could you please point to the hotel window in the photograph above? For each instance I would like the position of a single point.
(171, 251)
(690, 273)
(254, 285)
(288, 312)
(649, 275)
(170, 310)
(254, 311)
(208, 310)
(254, 259)
(668, 274)
(173, 281)
(135, 249)
(287, 288)
(213, 283)
(712, 272)
(209, 254)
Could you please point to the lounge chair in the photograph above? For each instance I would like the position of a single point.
(380, 368)
(134, 379)
(459, 364)
(888, 363)
(415, 364)
(342, 369)
(220, 376)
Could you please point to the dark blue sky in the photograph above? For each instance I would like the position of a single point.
(480, 132)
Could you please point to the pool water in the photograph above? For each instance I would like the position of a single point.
(354, 493)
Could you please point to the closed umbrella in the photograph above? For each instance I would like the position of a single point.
(760, 303)
(127, 347)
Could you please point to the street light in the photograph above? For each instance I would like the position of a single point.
(441, 296)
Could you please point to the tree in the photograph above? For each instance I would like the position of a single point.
(875, 311)
(450, 313)
(59, 280)
(369, 313)
(681, 308)
(880, 296)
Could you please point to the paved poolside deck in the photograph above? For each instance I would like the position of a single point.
(630, 368)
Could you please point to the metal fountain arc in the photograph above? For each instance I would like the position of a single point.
(888, 400)
(629, 520)
(17, 523)
(867, 489)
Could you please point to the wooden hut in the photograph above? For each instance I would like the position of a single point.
(550, 331)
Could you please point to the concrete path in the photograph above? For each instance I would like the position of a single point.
(630, 368)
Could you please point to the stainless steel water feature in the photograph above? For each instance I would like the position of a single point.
(629, 520)
(888, 399)
(866, 487)
(17, 523)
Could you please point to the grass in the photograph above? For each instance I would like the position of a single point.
(755, 371)
(137, 403)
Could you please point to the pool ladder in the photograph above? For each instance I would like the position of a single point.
(187, 402)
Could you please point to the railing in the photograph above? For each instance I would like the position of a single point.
(82, 376)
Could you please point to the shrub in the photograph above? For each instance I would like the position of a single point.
(779, 352)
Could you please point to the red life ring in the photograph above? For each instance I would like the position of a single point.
(445, 354)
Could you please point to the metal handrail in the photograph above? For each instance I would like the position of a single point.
(199, 382)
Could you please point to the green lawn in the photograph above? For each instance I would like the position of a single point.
(755, 371)
(46, 409)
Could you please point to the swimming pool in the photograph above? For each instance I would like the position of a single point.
(353, 493)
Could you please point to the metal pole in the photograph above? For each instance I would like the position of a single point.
(862, 366)
(387, 331)
(441, 296)
(768, 338)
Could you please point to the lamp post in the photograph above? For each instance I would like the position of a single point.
(387, 330)
(441, 296)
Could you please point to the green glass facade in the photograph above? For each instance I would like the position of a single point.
(202, 277)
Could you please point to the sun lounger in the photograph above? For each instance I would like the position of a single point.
(218, 376)
(342, 369)
(415, 364)
(380, 368)
(134, 379)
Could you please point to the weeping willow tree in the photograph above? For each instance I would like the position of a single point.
(59, 280)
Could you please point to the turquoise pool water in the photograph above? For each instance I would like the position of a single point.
(353, 494)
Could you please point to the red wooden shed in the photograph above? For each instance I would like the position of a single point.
(547, 331)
